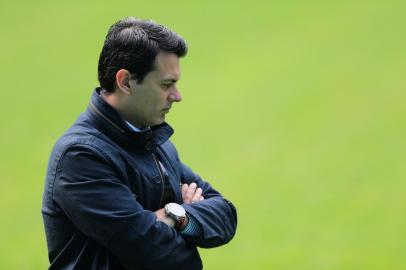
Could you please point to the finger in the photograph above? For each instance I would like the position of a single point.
(184, 189)
(201, 198)
(197, 195)
(189, 193)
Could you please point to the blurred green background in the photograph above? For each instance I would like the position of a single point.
(294, 110)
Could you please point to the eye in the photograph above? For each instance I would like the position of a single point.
(167, 85)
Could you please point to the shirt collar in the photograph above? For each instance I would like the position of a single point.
(134, 128)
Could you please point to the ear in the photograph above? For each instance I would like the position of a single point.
(123, 81)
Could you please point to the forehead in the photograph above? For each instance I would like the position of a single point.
(166, 66)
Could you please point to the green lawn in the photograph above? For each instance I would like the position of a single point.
(292, 109)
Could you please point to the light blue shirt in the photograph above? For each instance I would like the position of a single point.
(133, 127)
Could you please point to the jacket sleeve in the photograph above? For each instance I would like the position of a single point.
(88, 190)
(216, 215)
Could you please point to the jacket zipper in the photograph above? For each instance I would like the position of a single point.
(161, 175)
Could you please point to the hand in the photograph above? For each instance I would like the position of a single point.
(163, 217)
(191, 193)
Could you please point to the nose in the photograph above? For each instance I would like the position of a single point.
(175, 95)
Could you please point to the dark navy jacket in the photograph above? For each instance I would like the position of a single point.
(102, 187)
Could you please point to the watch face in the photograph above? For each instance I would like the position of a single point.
(176, 209)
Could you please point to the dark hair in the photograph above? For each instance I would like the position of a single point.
(133, 44)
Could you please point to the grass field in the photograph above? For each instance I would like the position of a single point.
(294, 110)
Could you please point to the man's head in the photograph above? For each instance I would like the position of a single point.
(133, 44)
(138, 70)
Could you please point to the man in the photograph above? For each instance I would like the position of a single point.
(116, 194)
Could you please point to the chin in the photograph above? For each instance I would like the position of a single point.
(158, 122)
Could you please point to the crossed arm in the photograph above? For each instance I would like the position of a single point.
(105, 210)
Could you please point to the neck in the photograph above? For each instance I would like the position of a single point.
(114, 101)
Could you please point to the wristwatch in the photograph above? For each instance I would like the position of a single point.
(177, 213)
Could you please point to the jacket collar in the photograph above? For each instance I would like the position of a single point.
(109, 121)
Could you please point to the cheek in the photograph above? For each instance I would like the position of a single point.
(162, 100)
